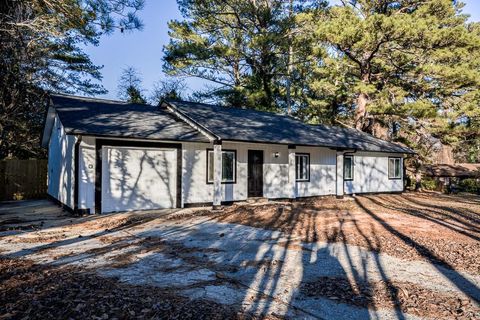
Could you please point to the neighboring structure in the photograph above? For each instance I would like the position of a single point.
(107, 156)
(448, 175)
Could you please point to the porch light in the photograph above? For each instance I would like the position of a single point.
(276, 154)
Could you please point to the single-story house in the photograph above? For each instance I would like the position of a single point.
(108, 156)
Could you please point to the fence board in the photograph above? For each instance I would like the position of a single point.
(25, 179)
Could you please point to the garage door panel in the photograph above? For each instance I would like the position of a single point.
(138, 179)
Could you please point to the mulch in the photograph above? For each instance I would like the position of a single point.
(32, 291)
(403, 296)
(393, 224)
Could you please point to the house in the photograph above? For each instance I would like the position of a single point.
(108, 156)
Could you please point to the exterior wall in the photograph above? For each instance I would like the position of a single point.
(371, 174)
(322, 172)
(61, 155)
(197, 190)
(275, 172)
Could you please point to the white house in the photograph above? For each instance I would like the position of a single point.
(108, 156)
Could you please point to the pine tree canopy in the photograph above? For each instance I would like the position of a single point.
(41, 52)
(402, 70)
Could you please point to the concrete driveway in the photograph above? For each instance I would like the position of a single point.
(264, 272)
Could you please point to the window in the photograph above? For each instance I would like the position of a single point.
(302, 167)
(394, 168)
(348, 168)
(229, 159)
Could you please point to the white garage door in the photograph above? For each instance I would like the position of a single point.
(138, 178)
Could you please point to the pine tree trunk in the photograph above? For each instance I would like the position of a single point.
(289, 66)
(361, 110)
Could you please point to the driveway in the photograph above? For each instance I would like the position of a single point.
(265, 261)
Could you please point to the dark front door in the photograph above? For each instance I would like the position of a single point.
(255, 173)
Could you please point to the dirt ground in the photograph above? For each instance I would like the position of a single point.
(32, 291)
(404, 256)
(439, 228)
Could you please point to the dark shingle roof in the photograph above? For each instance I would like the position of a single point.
(461, 170)
(100, 117)
(257, 126)
(89, 116)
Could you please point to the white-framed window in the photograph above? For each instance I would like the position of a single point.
(348, 168)
(394, 168)
(229, 161)
(302, 167)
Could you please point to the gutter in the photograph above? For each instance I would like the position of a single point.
(191, 122)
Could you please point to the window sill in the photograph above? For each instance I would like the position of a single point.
(223, 182)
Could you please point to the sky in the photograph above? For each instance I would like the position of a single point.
(143, 49)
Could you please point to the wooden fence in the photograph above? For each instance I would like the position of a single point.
(23, 179)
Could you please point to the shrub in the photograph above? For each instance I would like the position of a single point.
(428, 183)
(469, 185)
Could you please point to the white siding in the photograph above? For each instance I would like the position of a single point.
(371, 174)
(275, 172)
(322, 172)
(61, 149)
(196, 189)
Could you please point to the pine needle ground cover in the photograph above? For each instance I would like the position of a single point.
(411, 255)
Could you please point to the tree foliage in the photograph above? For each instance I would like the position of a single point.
(130, 86)
(168, 89)
(405, 70)
(41, 52)
(408, 70)
(241, 46)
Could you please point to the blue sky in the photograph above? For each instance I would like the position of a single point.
(143, 49)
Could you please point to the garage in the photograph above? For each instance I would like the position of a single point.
(138, 178)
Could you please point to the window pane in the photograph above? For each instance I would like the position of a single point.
(228, 161)
(397, 168)
(302, 167)
(210, 166)
(306, 167)
(348, 165)
(391, 165)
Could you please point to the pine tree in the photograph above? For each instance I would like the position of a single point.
(242, 47)
(406, 70)
(130, 86)
(40, 52)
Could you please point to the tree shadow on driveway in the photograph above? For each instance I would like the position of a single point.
(456, 278)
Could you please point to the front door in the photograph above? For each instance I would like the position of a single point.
(255, 173)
